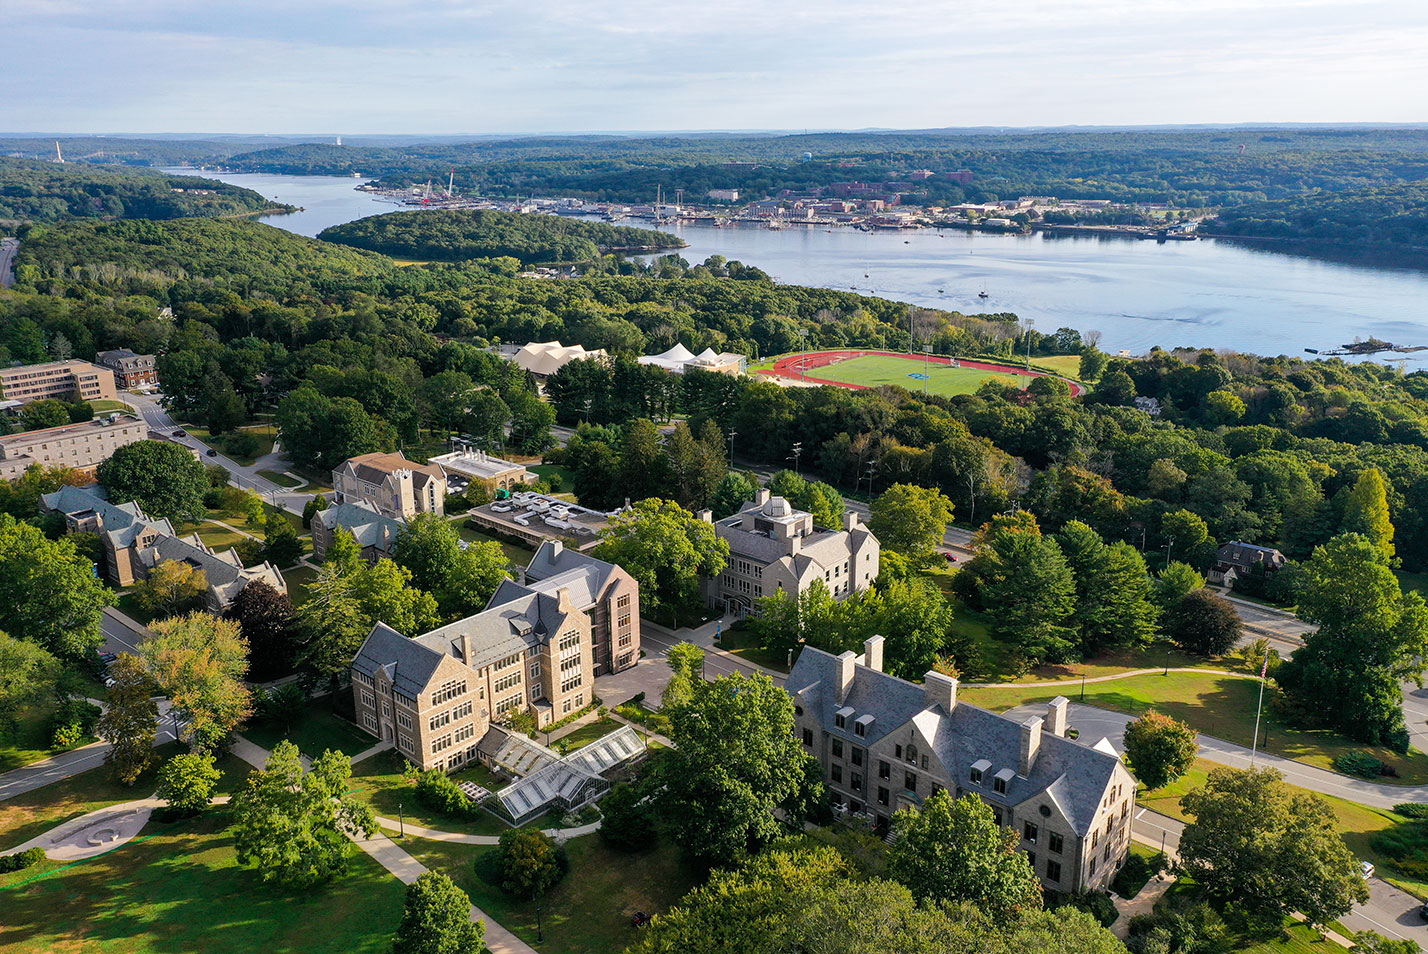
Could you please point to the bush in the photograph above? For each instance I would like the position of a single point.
(437, 791)
(242, 444)
(1360, 764)
(629, 819)
(1096, 903)
(1411, 809)
(1135, 873)
(73, 720)
(21, 860)
(1195, 929)
(1406, 845)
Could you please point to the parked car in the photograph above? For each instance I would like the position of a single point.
(1366, 869)
(180, 433)
(108, 657)
(1423, 911)
(212, 452)
(950, 557)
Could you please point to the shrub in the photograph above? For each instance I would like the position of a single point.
(21, 860)
(1194, 929)
(629, 819)
(242, 444)
(437, 791)
(1406, 845)
(1358, 763)
(73, 720)
(1135, 873)
(1096, 903)
(1411, 809)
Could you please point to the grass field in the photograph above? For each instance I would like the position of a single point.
(583, 736)
(298, 579)
(378, 781)
(280, 478)
(104, 406)
(589, 911)
(1067, 364)
(1222, 706)
(30, 739)
(878, 370)
(318, 731)
(178, 887)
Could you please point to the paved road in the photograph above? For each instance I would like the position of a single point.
(8, 248)
(657, 641)
(122, 634)
(62, 766)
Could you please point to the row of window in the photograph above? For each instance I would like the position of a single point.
(509, 681)
(505, 705)
(569, 641)
(569, 684)
(569, 663)
(570, 705)
(448, 691)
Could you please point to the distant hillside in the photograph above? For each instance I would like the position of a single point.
(457, 235)
(1392, 217)
(249, 257)
(48, 191)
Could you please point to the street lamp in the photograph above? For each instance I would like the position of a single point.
(401, 822)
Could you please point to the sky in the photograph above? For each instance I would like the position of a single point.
(468, 67)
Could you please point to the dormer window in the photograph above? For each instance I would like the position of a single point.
(978, 769)
(999, 784)
(860, 728)
(841, 717)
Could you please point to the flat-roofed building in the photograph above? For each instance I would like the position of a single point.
(130, 370)
(391, 485)
(58, 379)
(82, 446)
(479, 467)
(534, 518)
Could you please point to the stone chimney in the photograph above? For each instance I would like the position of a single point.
(845, 674)
(940, 690)
(1056, 716)
(562, 600)
(873, 653)
(1030, 744)
(761, 496)
(466, 648)
(850, 521)
(706, 515)
(556, 547)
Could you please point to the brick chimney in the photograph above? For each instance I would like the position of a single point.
(846, 663)
(556, 546)
(706, 515)
(873, 653)
(761, 496)
(1030, 744)
(1056, 716)
(940, 690)
(850, 521)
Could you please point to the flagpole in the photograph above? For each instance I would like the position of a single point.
(1254, 743)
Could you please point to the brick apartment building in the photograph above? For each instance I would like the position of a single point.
(58, 379)
(130, 370)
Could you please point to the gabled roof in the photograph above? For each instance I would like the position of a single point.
(375, 468)
(554, 566)
(408, 663)
(369, 528)
(516, 626)
(1073, 774)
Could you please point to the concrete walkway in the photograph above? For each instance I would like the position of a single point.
(460, 838)
(1143, 903)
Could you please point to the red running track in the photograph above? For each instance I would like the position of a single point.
(797, 366)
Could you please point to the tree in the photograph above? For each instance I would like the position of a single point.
(1029, 592)
(1113, 606)
(312, 508)
(1160, 749)
(1093, 362)
(281, 544)
(347, 599)
(1203, 623)
(1371, 637)
(266, 620)
(667, 549)
(165, 479)
(627, 820)
(1175, 582)
(172, 587)
(910, 520)
(473, 579)
(686, 665)
(52, 595)
(293, 826)
(529, 862)
(40, 414)
(735, 759)
(428, 546)
(129, 721)
(1187, 536)
(436, 919)
(955, 851)
(1366, 511)
(734, 491)
(1268, 849)
(27, 674)
(199, 661)
(187, 781)
(327, 431)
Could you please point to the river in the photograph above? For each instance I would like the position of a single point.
(1136, 293)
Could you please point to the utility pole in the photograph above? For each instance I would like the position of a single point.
(1030, 324)
(732, 434)
(797, 453)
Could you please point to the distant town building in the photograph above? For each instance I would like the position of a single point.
(544, 358)
(479, 467)
(886, 744)
(131, 371)
(606, 593)
(961, 177)
(391, 485)
(1235, 559)
(376, 534)
(678, 358)
(724, 195)
(133, 544)
(774, 547)
(58, 379)
(534, 518)
(82, 446)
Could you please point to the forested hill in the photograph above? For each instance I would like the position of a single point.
(451, 235)
(48, 191)
(248, 256)
(1394, 217)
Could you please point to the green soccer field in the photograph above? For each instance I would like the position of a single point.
(878, 370)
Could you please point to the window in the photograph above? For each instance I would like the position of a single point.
(570, 663)
(882, 795)
(625, 640)
(403, 720)
(976, 776)
(465, 732)
(448, 690)
(570, 683)
(369, 700)
(798, 710)
(857, 756)
(1054, 842)
(1029, 832)
(369, 720)
(1095, 840)
(1107, 853)
(857, 782)
(999, 785)
(505, 705)
(884, 770)
(622, 602)
(924, 761)
(508, 681)
(897, 751)
(837, 773)
(808, 738)
(461, 711)
(859, 729)
(442, 743)
(624, 621)
(912, 754)
(1093, 867)
(840, 721)
(837, 749)
(909, 781)
(535, 670)
(386, 708)
(1053, 871)
(565, 706)
(569, 641)
(997, 814)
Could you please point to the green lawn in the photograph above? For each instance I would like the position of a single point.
(547, 471)
(879, 370)
(217, 537)
(298, 579)
(517, 554)
(221, 444)
(378, 781)
(105, 406)
(280, 478)
(318, 731)
(1222, 706)
(1067, 364)
(586, 734)
(586, 913)
(30, 742)
(1301, 940)
(178, 888)
(1412, 581)
(129, 606)
(742, 644)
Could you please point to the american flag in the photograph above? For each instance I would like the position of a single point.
(1264, 670)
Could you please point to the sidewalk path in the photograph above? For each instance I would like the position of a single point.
(460, 838)
(56, 768)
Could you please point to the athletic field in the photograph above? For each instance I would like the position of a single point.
(864, 369)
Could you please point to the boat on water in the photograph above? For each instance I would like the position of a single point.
(983, 294)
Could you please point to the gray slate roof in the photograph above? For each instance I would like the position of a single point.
(517, 625)
(550, 560)
(122, 523)
(407, 662)
(369, 528)
(1074, 774)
